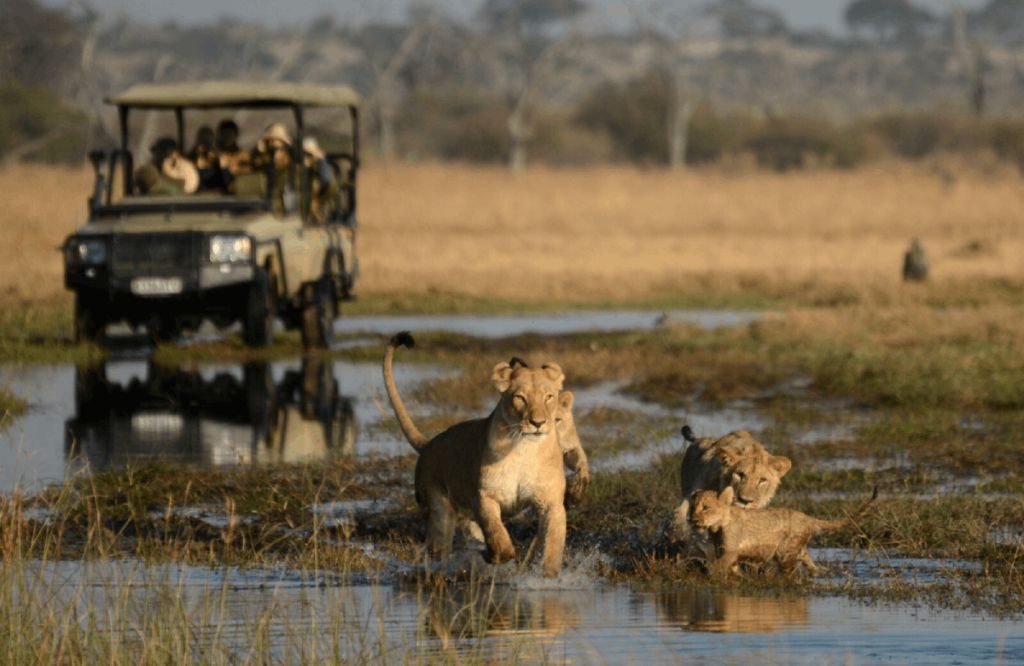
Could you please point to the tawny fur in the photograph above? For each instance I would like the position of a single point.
(738, 461)
(759, 535)
(573, 456)
(493, 468)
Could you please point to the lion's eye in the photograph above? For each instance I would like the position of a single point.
(762, 482)
(549, 398)
(741, 475)
(519, 400)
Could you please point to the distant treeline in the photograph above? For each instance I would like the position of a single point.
(613, 124)
(628, 124)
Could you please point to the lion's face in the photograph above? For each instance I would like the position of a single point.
(529, 397)
(753, 474)
(710, 510)
(565, 424)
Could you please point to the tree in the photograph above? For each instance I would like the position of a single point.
(1000, 17)
(37, 45)
(740, 18)
(669, 32)
(524, 59)
(888, 18)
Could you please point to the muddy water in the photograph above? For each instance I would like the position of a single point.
(572, 619)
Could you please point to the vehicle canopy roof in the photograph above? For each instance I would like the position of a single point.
(234, 93)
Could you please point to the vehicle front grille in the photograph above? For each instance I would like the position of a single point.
(151, 254)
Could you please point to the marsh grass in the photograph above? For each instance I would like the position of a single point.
(105, 609)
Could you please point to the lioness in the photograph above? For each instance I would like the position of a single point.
(737, 461)
(573, 456)
(759, 535)
(494, 467)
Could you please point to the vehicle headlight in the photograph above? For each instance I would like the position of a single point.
(90, 252)
(230, 249)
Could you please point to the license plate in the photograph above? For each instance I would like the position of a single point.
(156, 286)
(156, 425)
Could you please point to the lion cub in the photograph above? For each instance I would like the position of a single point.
(493, 468)
(759, 535)
(738, 461)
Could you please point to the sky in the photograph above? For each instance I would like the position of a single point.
(800, 14)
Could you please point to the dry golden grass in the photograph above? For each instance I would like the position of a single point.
(41, 206)
(612, 232)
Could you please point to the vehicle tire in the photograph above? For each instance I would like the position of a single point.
(90, 319)
(258, 322)
(318, 316)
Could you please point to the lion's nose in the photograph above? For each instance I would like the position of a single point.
(537, 424)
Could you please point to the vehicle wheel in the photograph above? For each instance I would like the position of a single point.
(318, 316)
(90, 319)
(258, 324)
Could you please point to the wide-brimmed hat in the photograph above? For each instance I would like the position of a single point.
(182, 170)
(277, 131)
(310, 145)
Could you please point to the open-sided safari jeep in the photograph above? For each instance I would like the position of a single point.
(266, 247)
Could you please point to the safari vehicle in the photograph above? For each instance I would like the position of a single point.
(252, 255)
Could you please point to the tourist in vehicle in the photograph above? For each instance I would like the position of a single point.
(168, 173)
(204, 155)
(232, 158)
(323, 184)
(275, 145)
(275, 148)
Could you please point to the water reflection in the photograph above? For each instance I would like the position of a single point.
(498, 612)
(705, 610)
(232, 416)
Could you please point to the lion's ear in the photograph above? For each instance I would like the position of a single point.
(502, 376)
(565, 400)
(728, 455)
(781, 464)
(726, 496)
(554, 373)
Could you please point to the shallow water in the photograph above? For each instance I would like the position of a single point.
(132, 411)
(497, 326)
(575, 620)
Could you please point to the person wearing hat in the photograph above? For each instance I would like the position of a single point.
(275, 148)
(324, 186)
(275, 145)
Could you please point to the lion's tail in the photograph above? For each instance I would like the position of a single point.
(850, 519)
(412, 433)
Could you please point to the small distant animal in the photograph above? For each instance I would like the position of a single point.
(760, 535)
(492, 468)
(738, 461)
(915, 262)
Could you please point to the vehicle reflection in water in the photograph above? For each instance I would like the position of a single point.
(240, 416)
(705, 610)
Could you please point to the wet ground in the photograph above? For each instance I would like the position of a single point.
(575, 618)
(129, 411)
